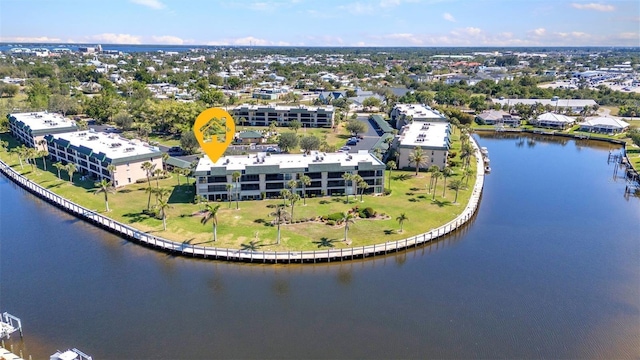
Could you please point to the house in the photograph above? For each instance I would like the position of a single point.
(92, 153)
(431, 137)
(576, 105)
(497, 117)
(265, 175)
(31, 128)
(250, 137)
(329, 77)
(326, 97)
(602, 124)
(553, 121)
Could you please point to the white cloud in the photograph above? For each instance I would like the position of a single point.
(593, 6)
(448, 17)
(357, 8)
(169, 40)
(116, 38)
(30, 39)
(539, 31)
(154, 4)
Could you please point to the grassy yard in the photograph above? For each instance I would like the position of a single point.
(249, 227)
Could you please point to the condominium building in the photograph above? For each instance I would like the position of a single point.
(263, 115)
(93, 152)
(264, 175)
(431, 137)
(30, 128)
(403, 114)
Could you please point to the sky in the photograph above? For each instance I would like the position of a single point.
(324, 22)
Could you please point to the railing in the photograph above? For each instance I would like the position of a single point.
(185, 249)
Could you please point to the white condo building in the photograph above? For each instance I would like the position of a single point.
(30, 128)
(264, 115)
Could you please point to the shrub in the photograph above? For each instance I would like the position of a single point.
(388, 191)
(331, 222)
(367, 213)
(335, 216)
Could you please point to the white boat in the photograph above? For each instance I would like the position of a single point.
(484, 151)
(487, 169)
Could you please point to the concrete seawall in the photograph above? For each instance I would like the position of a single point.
(271, 257)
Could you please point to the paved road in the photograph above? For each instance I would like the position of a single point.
(370, 137)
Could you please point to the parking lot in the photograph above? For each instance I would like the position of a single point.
(369, 138)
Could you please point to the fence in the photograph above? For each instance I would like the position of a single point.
(207, 252)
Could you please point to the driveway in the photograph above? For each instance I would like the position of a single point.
(371, 137)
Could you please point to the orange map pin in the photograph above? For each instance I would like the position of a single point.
(214, 129)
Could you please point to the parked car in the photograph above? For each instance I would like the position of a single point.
(175, 151)
(352, 142)
(345, 148)
(271, 149)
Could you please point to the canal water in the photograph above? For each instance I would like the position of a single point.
(549, 268)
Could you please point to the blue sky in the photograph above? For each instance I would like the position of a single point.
(324, 23)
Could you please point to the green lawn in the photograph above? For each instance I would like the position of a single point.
(238, 227)
(166, 140)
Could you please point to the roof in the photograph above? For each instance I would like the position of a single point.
(425, 135)
(605, 122)
(382, 124)
(556, 118)
(106, 147)
(559, 102)
(418, 112)
(250, 135)
(176, 162)
(277, 163)
(495, 115)
(43, 122)
(298, 108)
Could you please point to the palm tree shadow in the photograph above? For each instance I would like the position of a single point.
(389, 232)
(402, 177)
(441, 203)
(136, 217)
(324, 242)
(252, 245)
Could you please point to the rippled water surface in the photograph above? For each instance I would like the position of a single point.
(549, 268)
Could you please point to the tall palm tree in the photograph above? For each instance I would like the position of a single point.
(71, 168)
(163, 205)
(280, 215)
(20, 153)
(347, 177)
(285, 194)
(162, 194)
(292, 184)
(293, 199)
(148, 168)
(42, 142)
(304, 181)
(105, 187)
(401, 219)
(467, 174)
(391, 165)
(455, 185)
(211, 213)
(446, 172)
(59, 167)
(362, 185)
(43, 154)
(229, 187)
(112, 170)
(436, 175)
(432, 170)
(347, 218)
(236, 178)
(418, 158)
(31, 154)
(157, 173)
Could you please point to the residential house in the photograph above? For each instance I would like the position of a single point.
(602, 124)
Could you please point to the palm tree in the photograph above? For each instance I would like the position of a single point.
(20, 153)
(467, 174)
(4, 145)
(148, 168)
(59, 167)
(293, 199)
(31, 154)
(446, 172)
(211, 213)
(347, 177)
(436, 175)
(455, 185)
(391, 165)
(42, 142)
(347, 218)
(43, 154)
(165, 157)
(105, 187)
(401, 219)
(71, 168)
(229, 187)
(286, 194)
(292, 184)
(236, 178)
(112, 170)
(305, 181)
(280, 215)
(163, 205)
(418, 158)
(161, 194)
(362, 185)
(432, 170)
(157, 173)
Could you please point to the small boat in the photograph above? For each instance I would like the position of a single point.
(487, 169)
(484, 151)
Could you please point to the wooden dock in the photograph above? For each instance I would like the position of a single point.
(271, 257)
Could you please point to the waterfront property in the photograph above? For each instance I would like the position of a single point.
(604, 125)
(263, 115)
(576, 105)
(553, 121)
(30, 128)
(497, 117)
(93, 152)
(432, 137)
(265, 175)
(403, 114)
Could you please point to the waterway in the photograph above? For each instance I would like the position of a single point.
(549, 268)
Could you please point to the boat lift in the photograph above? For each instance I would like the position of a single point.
(8, 325)
(73, 354)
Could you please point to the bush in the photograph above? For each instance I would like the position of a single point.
(367, 213)
(331, 222)
(388, 191)
(335, 216)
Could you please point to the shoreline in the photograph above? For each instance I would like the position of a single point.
(272, 257)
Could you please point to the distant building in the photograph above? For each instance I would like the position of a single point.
(30, 128)
(263, 115)
(265, 175)
(250, 137)
(498, 117)
(431, 137)
(576, 105)
(93, 152)
(403, 114)
(553, 121)
(604, 125)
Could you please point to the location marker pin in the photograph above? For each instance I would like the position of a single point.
(214, 129)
